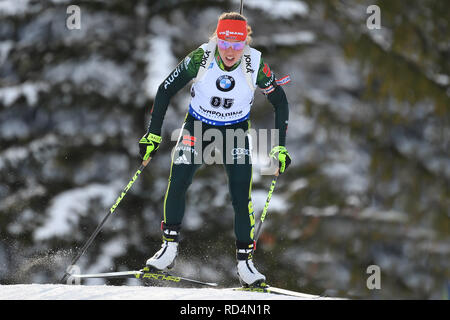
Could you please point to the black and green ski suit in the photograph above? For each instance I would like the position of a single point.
(184, 164)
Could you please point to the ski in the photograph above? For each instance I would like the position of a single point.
(153, 276)
(274, 290)
(147, 275)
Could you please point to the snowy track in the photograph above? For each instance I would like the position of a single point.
(103, 292)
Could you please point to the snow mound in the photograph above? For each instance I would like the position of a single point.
(104, 292)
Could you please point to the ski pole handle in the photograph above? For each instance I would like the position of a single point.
(100, 226)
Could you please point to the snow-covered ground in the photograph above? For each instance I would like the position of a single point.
(103, 292)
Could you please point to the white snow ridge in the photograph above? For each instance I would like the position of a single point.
(104, 292)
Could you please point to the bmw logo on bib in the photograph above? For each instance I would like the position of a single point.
(225, 83)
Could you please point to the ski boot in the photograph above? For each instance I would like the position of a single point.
(165, 257)
(248, 275)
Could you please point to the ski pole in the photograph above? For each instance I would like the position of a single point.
(266, 206)
(100, 226)
(241, 9)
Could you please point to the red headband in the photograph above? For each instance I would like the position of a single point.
(232, 30)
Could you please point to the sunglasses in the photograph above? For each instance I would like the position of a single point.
(226, 44)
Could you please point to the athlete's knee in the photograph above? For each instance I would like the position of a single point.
(180, 182)
(240, 184)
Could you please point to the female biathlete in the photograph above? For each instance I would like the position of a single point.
(226, 71)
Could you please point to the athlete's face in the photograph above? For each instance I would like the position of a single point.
(230, 54)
